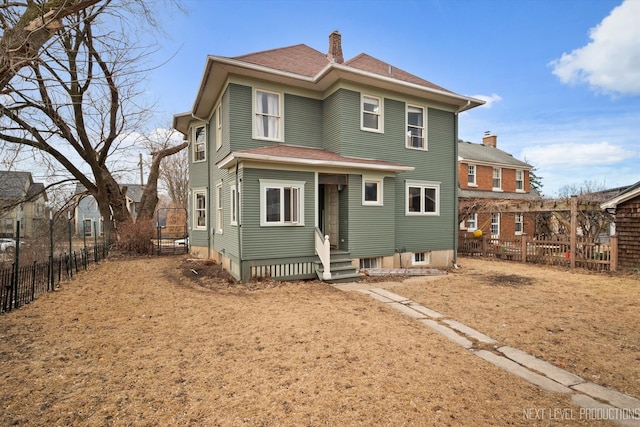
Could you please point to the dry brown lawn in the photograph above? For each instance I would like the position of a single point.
(148, 342)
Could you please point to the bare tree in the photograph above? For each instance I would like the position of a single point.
(591, 222)
(78, 103)
(26, 27)
(174, 171)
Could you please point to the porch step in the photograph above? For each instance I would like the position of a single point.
(342, 271)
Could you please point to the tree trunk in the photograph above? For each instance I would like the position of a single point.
(149, 199)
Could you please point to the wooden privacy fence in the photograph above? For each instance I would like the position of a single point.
(571, 253)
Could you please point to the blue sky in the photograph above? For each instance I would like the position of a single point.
(561, 78)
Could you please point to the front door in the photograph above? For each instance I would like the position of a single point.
(329, 187)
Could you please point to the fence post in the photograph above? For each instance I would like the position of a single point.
(574, 231)
(484, 246)
(524, 248)
(613, 243)
(33, 281)
(70, 244)
(53, 275)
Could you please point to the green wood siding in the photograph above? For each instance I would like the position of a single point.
(418, 233)
(370, 229)
(302, 121)
(275, 241)
(331, 112)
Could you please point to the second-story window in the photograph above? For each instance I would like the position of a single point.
(200, 144)
(268, 117)
(371, 113)
(218, 127)
(415, 128)
(519, 180)
(497, 178)
(471, 175)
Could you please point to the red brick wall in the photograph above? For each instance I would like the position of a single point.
(484, 178)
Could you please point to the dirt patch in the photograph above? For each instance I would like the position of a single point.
(145, 343)
(508, 280)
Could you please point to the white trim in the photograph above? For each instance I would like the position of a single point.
(196, 144)
(426, 255)
(495, 236)
(520, 190)
(234, 201)
(515, 222)
(199, 191)
(279, 116)
(380, 191)
(218, 110)
(379, 114)
(493, 178)
(425, 141)
(228, 161)
(281, 185)
(475, 175)
(219, 228)
(422, 185)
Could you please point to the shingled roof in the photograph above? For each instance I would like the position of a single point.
(309, 69)
(469, 151)
(16, 186)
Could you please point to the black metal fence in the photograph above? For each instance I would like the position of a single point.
(21, 284)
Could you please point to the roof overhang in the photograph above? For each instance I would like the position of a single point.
(632, 192)
(217, 69)
(342, 163)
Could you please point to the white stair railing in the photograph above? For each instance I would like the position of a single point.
(323, 250)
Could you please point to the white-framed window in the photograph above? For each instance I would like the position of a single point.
(234, 205)
(497, 179)
(371, 118)
(421, 258)
(87, 225)
(200, 209)
(471, 176)
(423, 198)
(472, 222)
(218, 127)
(519, 223)
(416, 135)
(520, 180)
(267, 120)
(281, 203)
(495, 225)
(8, 225)
(372, 191)
(200, 144)
(368, 263)
(219, 210)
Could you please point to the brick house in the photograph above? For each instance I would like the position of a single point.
(492, 185)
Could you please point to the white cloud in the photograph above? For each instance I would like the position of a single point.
(489, 99)
(576, 155)
(610, 63)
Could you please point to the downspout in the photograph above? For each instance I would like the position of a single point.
(457, 184)
(238, 221)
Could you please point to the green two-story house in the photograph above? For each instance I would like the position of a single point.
(299, 157)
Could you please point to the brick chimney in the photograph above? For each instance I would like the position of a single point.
(490, 140)
(335, 48)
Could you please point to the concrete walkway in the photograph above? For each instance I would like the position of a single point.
(595, 402)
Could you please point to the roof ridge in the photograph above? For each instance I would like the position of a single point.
(274, 50)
